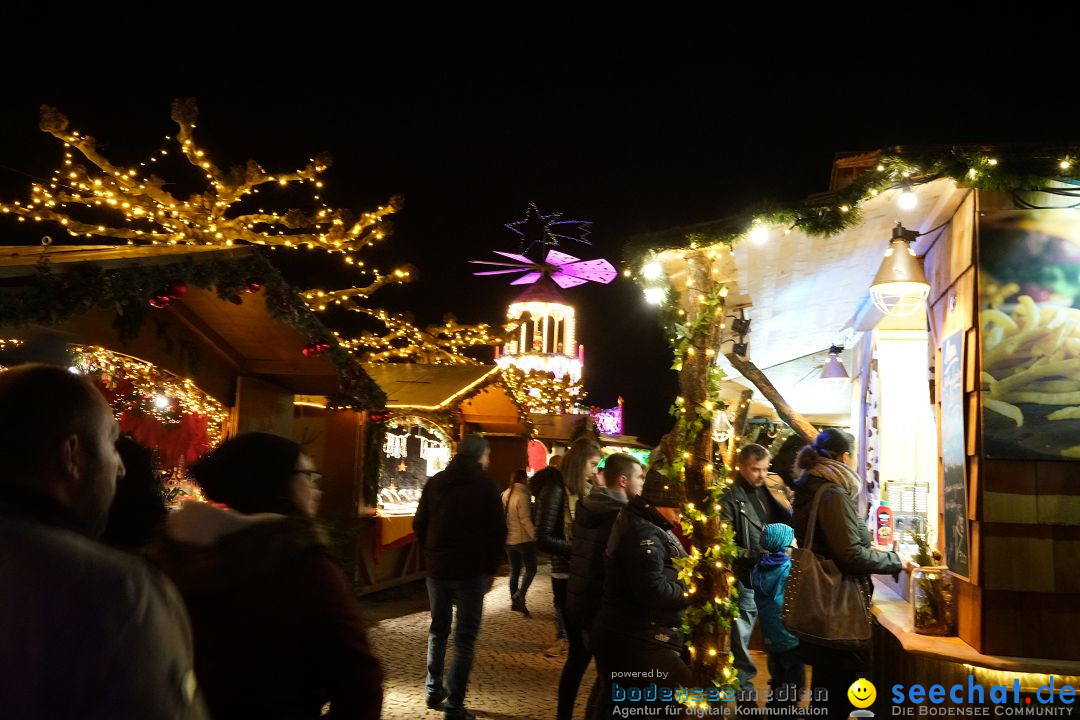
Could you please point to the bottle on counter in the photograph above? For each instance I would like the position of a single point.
(884, 533)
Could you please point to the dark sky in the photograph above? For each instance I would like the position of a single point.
(634, 122)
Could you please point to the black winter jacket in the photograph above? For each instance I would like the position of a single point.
(460, 522)
(592, 528)
(641, 585)
(550, 512)
(840, 535)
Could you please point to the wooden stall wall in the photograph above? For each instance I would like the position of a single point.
(952, 307)
(1029, 531)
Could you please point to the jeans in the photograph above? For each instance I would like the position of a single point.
(443, 595)
(577, 659)
(787, 678)
(740, 636)
(558, 592)
(521, 554)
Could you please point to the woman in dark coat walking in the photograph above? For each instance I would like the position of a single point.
(277, 631)
(842, 537)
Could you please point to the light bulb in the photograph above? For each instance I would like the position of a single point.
(652, 270)
(655, 295)
(907, 200)
(162, 402)
(759, 235)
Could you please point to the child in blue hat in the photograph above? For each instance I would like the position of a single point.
(787, 675)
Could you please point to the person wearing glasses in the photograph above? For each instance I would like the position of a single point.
(277, 630)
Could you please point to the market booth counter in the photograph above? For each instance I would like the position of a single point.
(392, 453)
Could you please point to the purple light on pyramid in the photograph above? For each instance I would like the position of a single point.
(566, 270)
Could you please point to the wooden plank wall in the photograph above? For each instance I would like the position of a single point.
(1023, 596)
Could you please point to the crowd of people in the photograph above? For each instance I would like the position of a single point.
(236, 609)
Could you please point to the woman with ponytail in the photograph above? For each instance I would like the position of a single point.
(843, 537)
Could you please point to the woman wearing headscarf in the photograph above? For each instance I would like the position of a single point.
(843, 537)
(277, 631)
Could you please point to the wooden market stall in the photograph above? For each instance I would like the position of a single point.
(966, 412)
(169, 324)
(390, 454)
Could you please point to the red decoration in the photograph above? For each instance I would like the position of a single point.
(176, 290)
(379, 416)
(159, 300)
(315, 348)
(308, 350)
(254, 285)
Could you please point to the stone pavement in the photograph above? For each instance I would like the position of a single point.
(511, 678)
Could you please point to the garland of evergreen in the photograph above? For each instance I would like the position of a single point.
(49, 297)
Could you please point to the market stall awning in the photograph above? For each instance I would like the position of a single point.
(427, 387)
(802, 292)
(259, 336)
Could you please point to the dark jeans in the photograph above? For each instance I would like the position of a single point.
(577, 659)
(834, 670)
(787, 677)
(558, 591)
(443, 595)
(521, 554)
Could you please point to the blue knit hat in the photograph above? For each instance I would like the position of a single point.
(776, 537)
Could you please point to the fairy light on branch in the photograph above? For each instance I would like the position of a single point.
(141, 210)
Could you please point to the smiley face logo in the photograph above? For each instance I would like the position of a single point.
(862, 693)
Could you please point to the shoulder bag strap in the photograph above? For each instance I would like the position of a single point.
(811, 524)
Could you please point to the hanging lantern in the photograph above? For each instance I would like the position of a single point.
(834, 371)
(900, 286)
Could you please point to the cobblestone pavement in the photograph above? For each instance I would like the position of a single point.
(511, 678)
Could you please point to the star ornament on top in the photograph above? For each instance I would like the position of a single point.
(548, 229)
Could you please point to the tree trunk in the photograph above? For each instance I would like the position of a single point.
(737, 425)
(788, 414)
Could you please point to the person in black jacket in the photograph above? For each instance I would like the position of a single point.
(637, 627)
(460, 524)
(842, 537)
(593, 521)
(556, 500)
(749, 504)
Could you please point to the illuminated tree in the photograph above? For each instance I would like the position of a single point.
(91, 196)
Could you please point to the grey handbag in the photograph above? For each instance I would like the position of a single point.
(821, 604)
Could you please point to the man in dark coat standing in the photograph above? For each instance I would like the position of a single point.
(88, 632)
(637, 628)
(460, 524)
(751, 503)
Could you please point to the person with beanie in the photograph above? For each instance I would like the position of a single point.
(787, 675)
(638, 626)
(461, 526)
(277, 630)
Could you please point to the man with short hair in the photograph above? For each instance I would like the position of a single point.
(749, 504)
(460, 524)
(89, 632)
(596, 513)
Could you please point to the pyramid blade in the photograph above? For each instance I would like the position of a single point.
(515, 256)
(567, 281)
(527, 279)
(500, 272)
(500, 264)
(600, 271)
(558, 259)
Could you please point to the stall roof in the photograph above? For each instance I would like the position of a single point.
(802, 291)
(245, 336)
(427, 387)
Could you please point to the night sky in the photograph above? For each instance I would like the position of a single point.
(635, 123)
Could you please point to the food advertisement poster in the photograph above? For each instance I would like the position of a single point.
(1029, 314)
